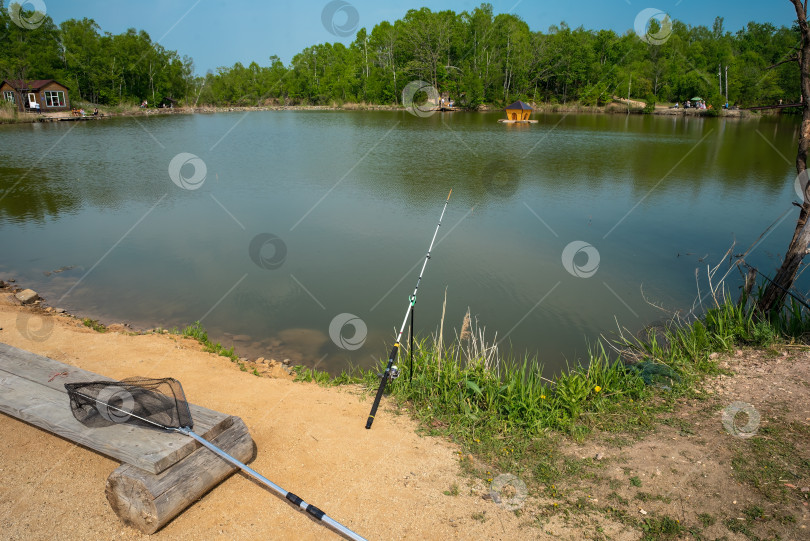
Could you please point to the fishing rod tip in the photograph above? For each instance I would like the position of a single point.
(448, 195)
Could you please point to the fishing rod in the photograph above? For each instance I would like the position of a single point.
(391, 371)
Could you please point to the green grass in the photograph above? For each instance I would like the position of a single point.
(772, 458)
(94, 324)
(197, 332)
(648, 497)
(506, 411)
(661, 528)
(480, 516)
(346, 377)
(453, 490)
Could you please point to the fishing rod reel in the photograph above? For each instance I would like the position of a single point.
(393, 373)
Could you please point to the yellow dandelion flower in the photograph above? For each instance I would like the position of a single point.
(597, 388)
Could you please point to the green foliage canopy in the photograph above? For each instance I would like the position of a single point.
(475, 56)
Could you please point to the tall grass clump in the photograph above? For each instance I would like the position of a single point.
(8, 113)
(469, 387)
(471, 391)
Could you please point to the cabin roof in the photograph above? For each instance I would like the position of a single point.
(20, 84)
(520, 105)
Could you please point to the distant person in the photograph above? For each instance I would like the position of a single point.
(95, 111)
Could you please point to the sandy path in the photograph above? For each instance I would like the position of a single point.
(384, 483)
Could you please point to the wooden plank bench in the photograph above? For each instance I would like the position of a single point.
(162, 473)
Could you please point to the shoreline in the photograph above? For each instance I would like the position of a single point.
(35, 305)
(545, 108)
(626, 477)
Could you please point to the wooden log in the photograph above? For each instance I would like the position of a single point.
(148, 501)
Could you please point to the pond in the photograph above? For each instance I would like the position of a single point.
(271, 226)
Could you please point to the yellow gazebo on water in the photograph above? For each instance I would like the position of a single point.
(517, 113)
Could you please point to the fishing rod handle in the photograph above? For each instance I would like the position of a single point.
(381, 388)
(311, 509)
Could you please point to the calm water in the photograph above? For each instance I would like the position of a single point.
(353, 198)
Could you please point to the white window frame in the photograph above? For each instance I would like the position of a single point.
(59, 95)
(10, 96)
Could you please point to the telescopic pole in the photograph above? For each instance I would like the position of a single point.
(313, 511)
(391, 371)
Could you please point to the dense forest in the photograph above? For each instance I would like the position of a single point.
(476, 57)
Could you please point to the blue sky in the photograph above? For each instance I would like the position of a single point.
(219, 33)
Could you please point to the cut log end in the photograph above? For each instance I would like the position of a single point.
(147, 501)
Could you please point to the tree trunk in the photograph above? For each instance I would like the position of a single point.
(774, 295)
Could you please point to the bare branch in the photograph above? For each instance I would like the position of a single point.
(794, 58)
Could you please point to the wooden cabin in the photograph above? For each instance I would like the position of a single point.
(40, 96)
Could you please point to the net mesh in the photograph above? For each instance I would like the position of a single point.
(149, 402)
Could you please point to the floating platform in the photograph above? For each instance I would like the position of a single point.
(505, 121)
(442, 109)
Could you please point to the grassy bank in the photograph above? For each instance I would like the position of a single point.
(508, 418)
(470, 392)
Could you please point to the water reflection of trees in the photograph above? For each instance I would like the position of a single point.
(34, 195)
(591, 152)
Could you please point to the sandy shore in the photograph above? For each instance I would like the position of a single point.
(384, 483)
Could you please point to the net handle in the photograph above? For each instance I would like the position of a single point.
(313, 511)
